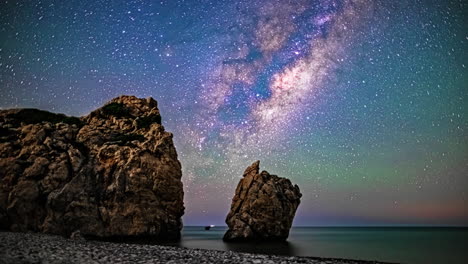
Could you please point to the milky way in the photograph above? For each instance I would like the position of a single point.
(282, 59)
(362, 103)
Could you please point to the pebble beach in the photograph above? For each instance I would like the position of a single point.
(41, 248)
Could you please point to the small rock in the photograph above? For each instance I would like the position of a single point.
(76, 235)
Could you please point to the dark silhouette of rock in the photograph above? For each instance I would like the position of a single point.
(263, 207)
(113, 173)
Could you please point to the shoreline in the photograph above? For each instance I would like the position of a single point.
(45, 248)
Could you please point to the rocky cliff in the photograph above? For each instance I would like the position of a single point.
(113, 173)
(263, 207)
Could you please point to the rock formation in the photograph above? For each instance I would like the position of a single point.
(263, 207)
(113, 173)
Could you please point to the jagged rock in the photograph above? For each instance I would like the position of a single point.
(263, 207)
(113, 173)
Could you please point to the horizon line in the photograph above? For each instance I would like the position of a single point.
(359, 226)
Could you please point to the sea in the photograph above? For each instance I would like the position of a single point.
(418, 245)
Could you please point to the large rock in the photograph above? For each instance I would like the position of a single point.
(263, 207)
(113, 173)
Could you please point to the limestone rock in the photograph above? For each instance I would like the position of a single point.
(113, 173)
(263, 207)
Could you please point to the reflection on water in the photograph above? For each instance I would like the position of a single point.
(198, 237)
(269, 248)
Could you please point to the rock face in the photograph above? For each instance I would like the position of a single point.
(263, 207)
(113, 173)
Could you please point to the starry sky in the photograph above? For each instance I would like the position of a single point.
(362, 103)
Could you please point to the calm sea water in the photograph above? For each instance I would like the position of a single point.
(390, 244)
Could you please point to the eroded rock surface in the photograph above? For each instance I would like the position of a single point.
(113, 173)
(263, 207)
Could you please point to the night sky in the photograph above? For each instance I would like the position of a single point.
(363, 104)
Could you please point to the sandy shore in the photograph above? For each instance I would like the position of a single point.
(40, 248)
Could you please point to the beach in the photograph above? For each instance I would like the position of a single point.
(41, 248)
